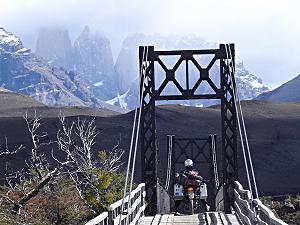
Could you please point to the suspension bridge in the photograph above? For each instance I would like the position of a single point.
(152, 202)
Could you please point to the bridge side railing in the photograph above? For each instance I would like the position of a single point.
(242, 205)
(244, 209)
(112, 217)
(266, 215)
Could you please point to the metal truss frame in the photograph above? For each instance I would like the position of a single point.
(149, 150)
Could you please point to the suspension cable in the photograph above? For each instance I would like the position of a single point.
(169, 163)
(131, 146)
(138, 128)
(238, 121)
(213, 145)
(246, 137)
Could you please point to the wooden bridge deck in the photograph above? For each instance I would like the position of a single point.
(213, 218)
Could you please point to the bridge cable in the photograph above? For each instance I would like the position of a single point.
(246, 137)
(238, 120)
(138, 128)
(213, 146)
(131, 145)
(169, 163)
(235, 95)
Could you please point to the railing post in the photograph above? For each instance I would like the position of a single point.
(142, 199)
(110, 217)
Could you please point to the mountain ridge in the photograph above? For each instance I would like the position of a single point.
(287, 92)
(23, 72)
(117, 82)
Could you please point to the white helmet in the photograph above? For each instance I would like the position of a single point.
(188, 162)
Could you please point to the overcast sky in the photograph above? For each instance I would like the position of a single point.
(266, 32)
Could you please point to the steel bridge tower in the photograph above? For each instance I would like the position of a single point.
(222, 91)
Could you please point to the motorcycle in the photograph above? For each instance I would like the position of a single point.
(190, 189)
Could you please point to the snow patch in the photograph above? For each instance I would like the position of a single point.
(120, 100)
(8, 38)
(197, 105)
(24, 51)
(256, 84)
(98, 84)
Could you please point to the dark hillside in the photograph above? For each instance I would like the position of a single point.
(273, 130)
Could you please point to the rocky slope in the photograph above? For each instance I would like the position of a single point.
(287, 207)
(23, 72)
(288, 92)
(249, 85)
(90, 56)
(17, 105)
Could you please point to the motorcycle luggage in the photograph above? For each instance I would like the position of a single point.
(203, 191)
(178, 192)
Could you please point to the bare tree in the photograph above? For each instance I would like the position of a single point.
(113, 161)
(27, 184)
(76, 141)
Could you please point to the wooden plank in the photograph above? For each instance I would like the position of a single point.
(229, 219)
(164, 218)
(209, 221)
(156, 220)
(198, 219)
(145, 220)
(167, 219)
(214, 217)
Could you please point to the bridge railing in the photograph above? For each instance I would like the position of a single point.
(245, 212)
(112, 217)
(243, 205)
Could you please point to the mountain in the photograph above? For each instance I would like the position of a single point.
(23, 72)
(94, 61)
(288, 92)
(126, 66)
(54, 44)
(90, 56)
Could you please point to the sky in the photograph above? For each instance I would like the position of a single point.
(266, 33)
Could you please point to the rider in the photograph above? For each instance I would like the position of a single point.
(189, 171)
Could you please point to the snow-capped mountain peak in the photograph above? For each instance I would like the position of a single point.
(10, 43)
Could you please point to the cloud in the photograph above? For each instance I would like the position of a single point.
(266, 32)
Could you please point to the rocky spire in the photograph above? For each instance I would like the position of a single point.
(94, 62)
(54, 44)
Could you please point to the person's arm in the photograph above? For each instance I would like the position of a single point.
(199, 178)
(176, 177)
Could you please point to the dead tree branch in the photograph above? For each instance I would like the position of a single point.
(7, 151)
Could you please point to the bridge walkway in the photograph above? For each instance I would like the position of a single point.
(210, 218)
